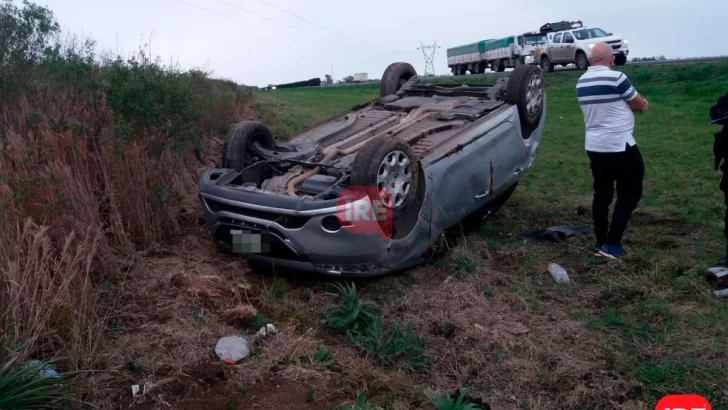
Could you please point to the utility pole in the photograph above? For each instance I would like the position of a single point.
(428, 51)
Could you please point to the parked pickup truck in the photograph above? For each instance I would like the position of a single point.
(496, 54)
(432, 156)
(571, 43)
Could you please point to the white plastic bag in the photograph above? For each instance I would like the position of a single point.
(232, 349)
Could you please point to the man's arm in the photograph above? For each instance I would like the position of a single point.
(638, 103)
(627, 91)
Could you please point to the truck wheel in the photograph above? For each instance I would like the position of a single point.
(582, 63)
(546, 64)
(394, 77)
(525, 89)
(620, 59)
(495, 66)
(501, 66)
(389, 166)
(236, 153)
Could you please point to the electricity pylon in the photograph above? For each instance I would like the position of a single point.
(428, 51)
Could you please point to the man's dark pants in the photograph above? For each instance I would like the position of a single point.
(627, 170)
(724, 188)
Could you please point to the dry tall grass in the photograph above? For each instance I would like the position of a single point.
(96, 159)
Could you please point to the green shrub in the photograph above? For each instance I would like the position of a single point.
(353, 314)
(445, 402)
(400, 347)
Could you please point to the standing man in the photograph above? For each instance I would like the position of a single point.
(608, 100)
(719, 115)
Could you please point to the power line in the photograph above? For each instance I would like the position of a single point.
(262, 27)
(313, 23)
(285, 25)
(244, 22)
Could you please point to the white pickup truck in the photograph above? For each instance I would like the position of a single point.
(571, 43)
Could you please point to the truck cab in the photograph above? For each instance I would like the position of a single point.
(527, 44)
(571, 43)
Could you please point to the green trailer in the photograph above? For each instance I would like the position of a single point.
(496, 53)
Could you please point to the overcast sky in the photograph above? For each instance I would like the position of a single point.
(278, 41)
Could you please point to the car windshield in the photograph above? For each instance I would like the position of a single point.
(588, 33)
(534, 40)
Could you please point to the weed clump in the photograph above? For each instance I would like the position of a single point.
(397, 346)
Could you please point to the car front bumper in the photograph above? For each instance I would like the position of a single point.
(286, 237)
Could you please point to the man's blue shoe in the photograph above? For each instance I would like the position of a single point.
(613, 251)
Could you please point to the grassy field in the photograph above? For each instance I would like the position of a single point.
(625, 333)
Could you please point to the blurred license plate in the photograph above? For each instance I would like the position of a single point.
(250, 241)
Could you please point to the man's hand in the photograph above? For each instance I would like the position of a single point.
(644, 107)
(638, 103)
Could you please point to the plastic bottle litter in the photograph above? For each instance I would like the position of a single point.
(231, 349)
(559, 274)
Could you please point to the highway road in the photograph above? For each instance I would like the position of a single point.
(572, 67)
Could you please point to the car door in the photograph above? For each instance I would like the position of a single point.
(556, 48)
(470, 178)
(568, 47)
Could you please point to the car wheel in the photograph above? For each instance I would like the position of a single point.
(236, 151)
(389, 166)
(394, 77)
(582, 63)
(546, 64)
(525, 89)
(620, 59)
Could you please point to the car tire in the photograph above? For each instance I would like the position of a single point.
(394, 77)
(620, 60)
(236, 154)
(525, 89)
(385, 153)
(582, 63)
(546, 64)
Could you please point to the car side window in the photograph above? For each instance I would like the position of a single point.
(557, 38)
(568, 38)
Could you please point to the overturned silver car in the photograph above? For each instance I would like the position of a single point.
(426, 157)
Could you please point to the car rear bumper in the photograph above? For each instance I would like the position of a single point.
(295, 234)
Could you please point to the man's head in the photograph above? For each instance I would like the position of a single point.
(601, 54)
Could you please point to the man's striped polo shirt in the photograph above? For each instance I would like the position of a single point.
(609, 121)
